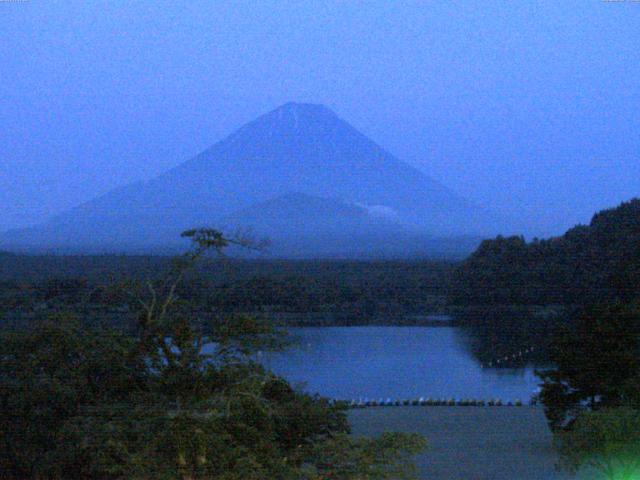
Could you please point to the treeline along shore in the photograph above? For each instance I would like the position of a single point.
(507, 283)
(589, 264)
(295, 293)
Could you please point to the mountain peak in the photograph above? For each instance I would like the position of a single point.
(289, 120)
(295, 114)
(307, 108)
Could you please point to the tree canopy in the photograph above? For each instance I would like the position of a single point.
(598, 263)
(597, 362)
(607, 441)
(93, 403)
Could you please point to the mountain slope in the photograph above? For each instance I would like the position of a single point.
(296, 148)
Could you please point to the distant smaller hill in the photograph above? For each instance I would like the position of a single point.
(302, 226)
(588, 264)
(299, 213)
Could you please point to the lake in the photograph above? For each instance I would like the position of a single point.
(397, 363)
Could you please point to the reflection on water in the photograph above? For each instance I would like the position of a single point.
(397, 362)
(518, 333)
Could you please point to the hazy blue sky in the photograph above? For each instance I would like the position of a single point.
(530, 107)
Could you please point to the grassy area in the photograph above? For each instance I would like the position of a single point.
(471, 443)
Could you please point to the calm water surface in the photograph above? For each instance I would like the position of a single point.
(395, 362)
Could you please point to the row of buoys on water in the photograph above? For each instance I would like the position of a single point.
(430, 402)
(508, 358)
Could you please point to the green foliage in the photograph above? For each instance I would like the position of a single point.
(343, 458)
(48, 375)
(596, 363)
(589, 264)
(81, 403)
(607, 440)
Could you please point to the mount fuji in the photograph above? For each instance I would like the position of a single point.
(299, 175)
